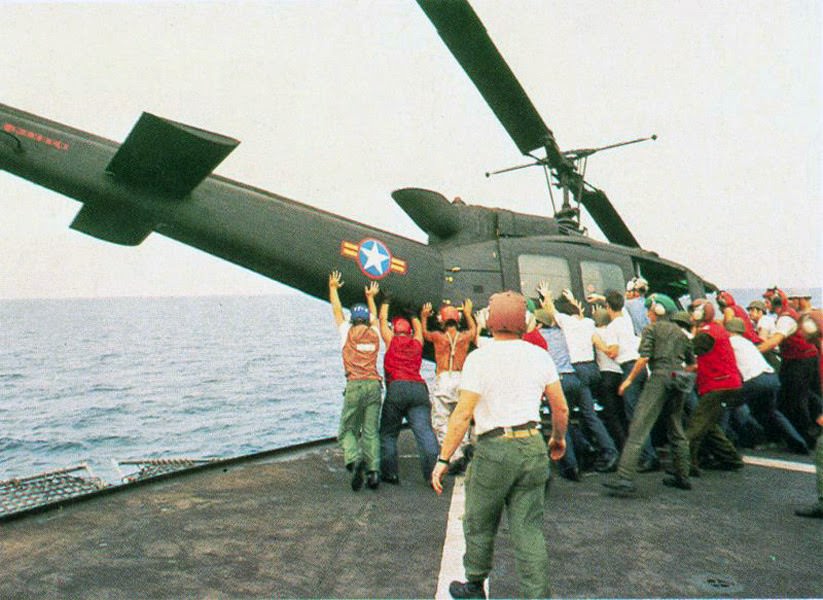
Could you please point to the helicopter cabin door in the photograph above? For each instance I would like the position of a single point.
(563, 264)
(472, 271)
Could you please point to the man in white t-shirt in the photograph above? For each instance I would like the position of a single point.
(761, 388)
(622, 345)
(501, 389)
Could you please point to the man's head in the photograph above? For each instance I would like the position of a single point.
(401, 326)
(660, 306)
(615, 300)
(702, 311)
(756, 310)
(800, 299)
(448, 316)
(360, 314)
(544, 317)
(507, 313)
(725, 299)
(735, 325)
(776, 299)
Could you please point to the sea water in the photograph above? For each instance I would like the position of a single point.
(96, 380)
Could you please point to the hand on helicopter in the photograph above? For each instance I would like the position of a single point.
(544, 290)
(372, 289)
(467, 306)
(335, 280)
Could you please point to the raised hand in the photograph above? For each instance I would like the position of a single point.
(335, 280)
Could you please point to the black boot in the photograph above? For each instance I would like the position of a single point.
(372, 480)
(676, 481)
(357, 478)
(467, 589)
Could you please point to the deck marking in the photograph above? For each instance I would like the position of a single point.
(772, 463)
(454, 544)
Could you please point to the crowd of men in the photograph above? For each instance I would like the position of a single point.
(708, 381)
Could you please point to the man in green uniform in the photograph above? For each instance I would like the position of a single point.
(501, 389)
(360, 340)
(666, 349)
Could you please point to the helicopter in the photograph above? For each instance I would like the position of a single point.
(161, 179)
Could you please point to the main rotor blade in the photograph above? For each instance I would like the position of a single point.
(608, 220)
(466, 37)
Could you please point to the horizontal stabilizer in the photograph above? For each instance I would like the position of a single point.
(113, 224)
(169, 158)
(430, 210)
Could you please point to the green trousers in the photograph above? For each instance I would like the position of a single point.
(359, 434)
(653, 399)
(510, 473)
(704, 428)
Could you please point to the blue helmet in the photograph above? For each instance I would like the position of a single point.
(360, 312)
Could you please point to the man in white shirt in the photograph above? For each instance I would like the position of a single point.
(761, 387)
(501, 389)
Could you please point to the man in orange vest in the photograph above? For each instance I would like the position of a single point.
(358, 435)
(451, 346)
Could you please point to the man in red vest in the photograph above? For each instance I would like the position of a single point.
(358, 434)
(719, 384)
(799, 371)
(406, 395)
(812, 325)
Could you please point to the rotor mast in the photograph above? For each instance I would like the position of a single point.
(464, 34)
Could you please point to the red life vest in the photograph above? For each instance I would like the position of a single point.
(403, 359)
(360, 353)
(795, 347)
(535, 337)
(750, 334)
(717, 368)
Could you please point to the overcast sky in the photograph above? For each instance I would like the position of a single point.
(338, 103)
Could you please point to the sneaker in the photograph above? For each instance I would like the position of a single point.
(677, 482)
(357, 478)
(467, 589)
(621, 487)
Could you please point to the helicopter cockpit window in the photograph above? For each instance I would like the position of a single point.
(663, 278)
(600, 277)
(535, 268)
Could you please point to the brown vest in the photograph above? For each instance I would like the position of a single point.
(360, 353)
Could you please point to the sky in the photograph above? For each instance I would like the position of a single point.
(338, 103)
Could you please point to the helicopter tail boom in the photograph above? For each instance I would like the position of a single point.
(129, 191)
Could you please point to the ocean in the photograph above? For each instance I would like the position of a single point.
(97, 380)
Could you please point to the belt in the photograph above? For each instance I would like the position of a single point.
(517, 431)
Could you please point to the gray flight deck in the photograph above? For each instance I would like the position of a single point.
(287, 524)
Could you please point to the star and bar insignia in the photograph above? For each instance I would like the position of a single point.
(374, 258)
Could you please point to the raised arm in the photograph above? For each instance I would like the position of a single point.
(385, 330)
(335, 283)
(425, 313)
(467, 312)
(417, 327)
(371, 291)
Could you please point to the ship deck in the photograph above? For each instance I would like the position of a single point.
(288, 525)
